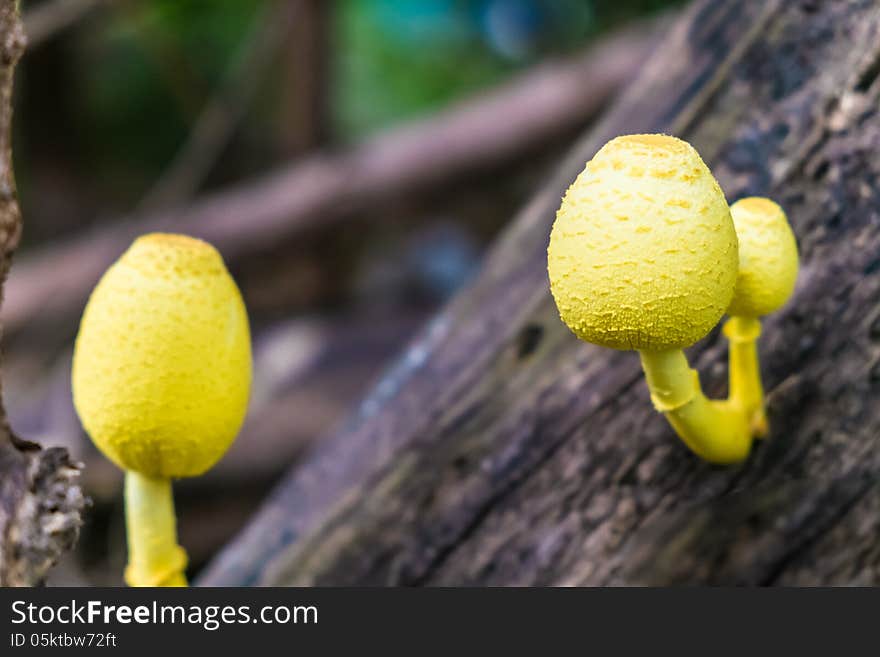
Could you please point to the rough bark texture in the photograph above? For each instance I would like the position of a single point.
(500, 450)
(39, 501)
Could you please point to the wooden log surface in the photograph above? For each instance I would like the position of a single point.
(500, 450)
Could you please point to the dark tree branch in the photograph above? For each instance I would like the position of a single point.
(306, 75)
(40, 503)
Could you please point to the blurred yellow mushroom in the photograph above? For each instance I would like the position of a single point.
(161, 379)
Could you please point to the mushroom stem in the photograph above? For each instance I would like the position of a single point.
(154, 557)
(716, 430)
(745, 373)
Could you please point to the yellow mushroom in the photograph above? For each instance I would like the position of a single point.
(161, 379)
(768, 258)
(768, 267)
(644, 255)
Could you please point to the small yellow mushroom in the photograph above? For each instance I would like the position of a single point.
(161, 379)
(644, 255)
(768, 258)
(768, 267)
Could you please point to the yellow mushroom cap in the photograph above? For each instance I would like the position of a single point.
(162, 363)
(643, 252)
(768, 257)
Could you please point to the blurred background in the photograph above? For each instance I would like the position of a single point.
(351, 159)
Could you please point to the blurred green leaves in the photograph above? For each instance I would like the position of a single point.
(147, 67)
(142, 70)
(400, 58)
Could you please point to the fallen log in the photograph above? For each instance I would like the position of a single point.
(503, 451)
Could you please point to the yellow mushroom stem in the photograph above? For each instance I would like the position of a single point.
(715, 430)
(746, 390)
(154, 557)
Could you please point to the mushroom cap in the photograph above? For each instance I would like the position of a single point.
(162, 362)
(768, 257)
(643, 252)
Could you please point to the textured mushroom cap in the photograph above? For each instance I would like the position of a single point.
(162, 363)
(768, 257)
(643, 252)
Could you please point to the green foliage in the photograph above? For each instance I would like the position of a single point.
(403, 58)
(145, 69)
(382, 76)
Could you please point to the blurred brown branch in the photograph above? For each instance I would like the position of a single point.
(50, 18)
(223, 112)
(40, 503)
(306, 69)
(508, 123)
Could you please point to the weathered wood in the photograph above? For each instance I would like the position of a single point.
(501, 450)
(39, 500)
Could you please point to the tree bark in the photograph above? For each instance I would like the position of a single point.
(39, 502)
(500, 450)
